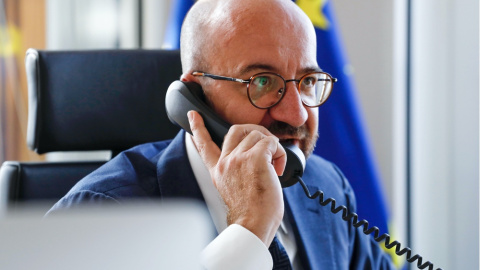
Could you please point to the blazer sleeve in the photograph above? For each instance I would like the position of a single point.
(80, 199)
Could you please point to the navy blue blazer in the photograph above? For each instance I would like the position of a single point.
(162, 170)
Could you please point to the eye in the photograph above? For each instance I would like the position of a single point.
(309, 81)
(261, 81)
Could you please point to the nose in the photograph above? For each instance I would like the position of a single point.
(290, 109)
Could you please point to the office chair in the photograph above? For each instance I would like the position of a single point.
(83, 101)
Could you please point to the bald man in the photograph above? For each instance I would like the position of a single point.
(256, 62)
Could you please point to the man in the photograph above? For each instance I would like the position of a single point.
(253, 40)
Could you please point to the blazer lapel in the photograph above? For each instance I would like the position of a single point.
(174, 172)
(315, 245)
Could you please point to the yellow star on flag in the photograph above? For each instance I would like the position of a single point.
(314, 10)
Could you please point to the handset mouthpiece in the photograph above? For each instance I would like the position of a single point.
(294, 167)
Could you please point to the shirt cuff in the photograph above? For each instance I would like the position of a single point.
(236, 248)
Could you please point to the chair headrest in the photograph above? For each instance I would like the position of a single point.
(98, 99)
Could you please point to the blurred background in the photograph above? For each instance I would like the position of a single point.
(414, 66)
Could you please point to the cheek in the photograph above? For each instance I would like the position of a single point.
(234, 107)
(312, 121)
(243, 113)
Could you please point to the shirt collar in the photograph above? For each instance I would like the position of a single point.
(214, 201)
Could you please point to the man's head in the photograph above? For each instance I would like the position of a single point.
(242, 38)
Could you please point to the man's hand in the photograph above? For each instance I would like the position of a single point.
(245, 172)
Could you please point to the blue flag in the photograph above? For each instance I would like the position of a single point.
(342, 136)
(178, 10)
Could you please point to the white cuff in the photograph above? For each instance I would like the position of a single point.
(236, 248)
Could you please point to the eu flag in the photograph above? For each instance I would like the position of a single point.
(343, 138)
(178, 10)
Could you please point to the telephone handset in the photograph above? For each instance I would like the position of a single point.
(182, 97)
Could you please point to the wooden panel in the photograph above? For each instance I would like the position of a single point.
(25, 28)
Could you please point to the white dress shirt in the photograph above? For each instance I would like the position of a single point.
(235, 247)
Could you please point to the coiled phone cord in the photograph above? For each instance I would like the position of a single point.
(347, 216)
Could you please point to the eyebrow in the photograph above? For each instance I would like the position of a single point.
(257, 66)
(311, 69)
(266, 67)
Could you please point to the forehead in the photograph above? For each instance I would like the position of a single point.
(282, 40)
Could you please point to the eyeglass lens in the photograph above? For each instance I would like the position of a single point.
(267, 89)
(315, 88)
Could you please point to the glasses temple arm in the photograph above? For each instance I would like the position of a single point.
(217, 77)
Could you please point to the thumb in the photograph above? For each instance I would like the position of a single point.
(208, 150)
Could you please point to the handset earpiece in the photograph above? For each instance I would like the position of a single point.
(183, 97)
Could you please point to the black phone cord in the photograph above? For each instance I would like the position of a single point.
(348, 216)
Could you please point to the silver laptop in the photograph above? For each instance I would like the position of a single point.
(139, 236)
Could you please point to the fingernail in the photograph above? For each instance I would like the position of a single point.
(190, 116)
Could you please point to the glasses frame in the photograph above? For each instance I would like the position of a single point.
(224, 78)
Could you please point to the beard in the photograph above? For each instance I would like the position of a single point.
(307, 140)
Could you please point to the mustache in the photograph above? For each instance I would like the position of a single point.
(283, 129)
(307, 140)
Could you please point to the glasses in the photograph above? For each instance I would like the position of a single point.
(267, 89)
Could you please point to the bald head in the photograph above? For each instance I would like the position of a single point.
(211, 25)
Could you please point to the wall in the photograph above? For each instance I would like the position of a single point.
(22, 25)
(444, 121)
(445, 142)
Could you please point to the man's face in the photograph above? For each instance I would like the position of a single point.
(257, 45)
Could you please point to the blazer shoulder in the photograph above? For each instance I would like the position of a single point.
(130, 174)
(327, 176)
(323, 168)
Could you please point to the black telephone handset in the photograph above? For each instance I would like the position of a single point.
(186, 96)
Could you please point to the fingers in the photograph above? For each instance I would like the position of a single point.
(263, 148)
(238, 133)
(279, 158)
(240, 138)
(207, 149)
(275, 153)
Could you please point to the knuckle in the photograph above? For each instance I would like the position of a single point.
(257, 134)
(236, 129)
(201, 147)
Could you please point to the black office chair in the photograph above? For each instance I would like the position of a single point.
(83, 101)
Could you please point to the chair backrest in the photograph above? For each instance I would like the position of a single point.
(41, 183)
(87, 100)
